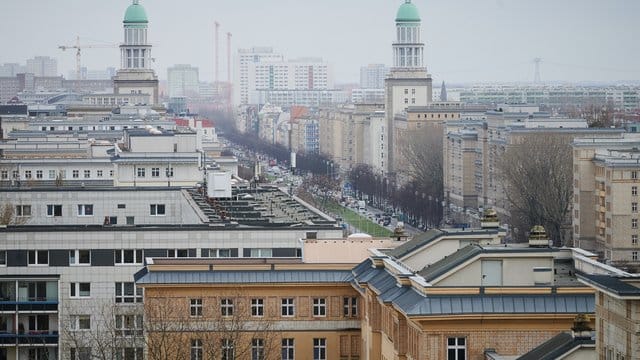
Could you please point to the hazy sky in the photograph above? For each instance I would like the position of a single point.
(466, 40)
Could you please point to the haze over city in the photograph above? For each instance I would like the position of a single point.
(466, 40)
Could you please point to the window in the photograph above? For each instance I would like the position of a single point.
(87, 174)
(128, 256)
(38, 354)
(3, 258)
(350, 306)
(228, 350)
(81, 322)
(130, 220)
(177, 253)
(634, 191)
(99, 173)
(122, 206)
(129, 325)
(23, 210)
(634, 255)
(127, 292)
(130, 353)
(226, 307)
(83, 353)
(39, 174)
(155, 172)
(320, 349)
(634, 174)
(169, 171)
(80, 290)
(27, 174)
(75, 174)
(288, 307)
(456, 349)
(196, 307)
(257, 349)
(52, 174)
(54, 210)
(257, 307)
(140, 172)
(85, 210)
(15, 174)
(261, 253)
(38, 257)
(4, 174)
(634, 207)
(634, 239)
(157, 210)
(196, 349)
(288, 349)
(319, 307)
(79, 257)
(634, 223)
(215, 253)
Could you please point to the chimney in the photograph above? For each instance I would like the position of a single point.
(538, 237)
(581, 327)
(489, 219)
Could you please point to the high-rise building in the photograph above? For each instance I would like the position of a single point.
(408, 83)
(183, 80)
(244, 58)
(135, 76)
(42, 66)
(372, 76)
(11, 69)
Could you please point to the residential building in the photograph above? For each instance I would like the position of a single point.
(367, 96)
(42, 66)
(183, 80)
(304, 135)
(11, 69)
(616, 314)
(408, 83)
(605, 198)
(372, 76)
(243, 60)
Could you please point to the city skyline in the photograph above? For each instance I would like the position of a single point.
(587, 41)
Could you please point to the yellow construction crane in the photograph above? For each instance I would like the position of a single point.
(78, 47)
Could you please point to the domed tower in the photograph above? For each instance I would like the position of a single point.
(135, 76)
(408, 83)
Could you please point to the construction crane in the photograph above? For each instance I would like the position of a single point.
(78, 47)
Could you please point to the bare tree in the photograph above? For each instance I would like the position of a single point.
(8, 215)
(536, 175)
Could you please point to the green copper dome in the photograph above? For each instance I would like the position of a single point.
(408, 12)
(135, 14)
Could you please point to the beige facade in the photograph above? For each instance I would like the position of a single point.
(605, 201)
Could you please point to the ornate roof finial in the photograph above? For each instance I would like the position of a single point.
(135, 2)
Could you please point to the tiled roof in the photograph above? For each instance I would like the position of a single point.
(440, 267)
(557, 346)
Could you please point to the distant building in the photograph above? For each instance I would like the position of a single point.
(367, 96)
(183, 80)
(11, 69)
(42, 66)
(244, 59)
(408, 83)
(135, 75)
(372, 76)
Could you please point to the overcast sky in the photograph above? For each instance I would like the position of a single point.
(466, 40)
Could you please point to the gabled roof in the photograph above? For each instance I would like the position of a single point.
(557, 346)
(611, 284)
(246, 277)
(417, 242)
(440, 267)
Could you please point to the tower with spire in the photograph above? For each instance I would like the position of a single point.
(443, 92)
(135, 75)
(408, 83)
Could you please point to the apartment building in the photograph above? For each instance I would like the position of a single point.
(605, 204)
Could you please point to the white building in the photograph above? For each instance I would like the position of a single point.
(372, 76)
(183, 80)
(244, 58)
(42, 66)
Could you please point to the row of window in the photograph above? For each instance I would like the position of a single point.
(155, 172)
(287, 349)
(133, 256)
(55, 210)
(53, 174)
(84, 353)
(287, 307)
(125, 292)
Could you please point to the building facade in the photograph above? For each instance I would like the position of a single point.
(183, 80)
(42, 66)
(372, 76)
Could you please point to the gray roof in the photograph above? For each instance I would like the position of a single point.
(440, 267)
(557, 346)
(414, 303)
(246, 277)
(417, 242)
(611, 284)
